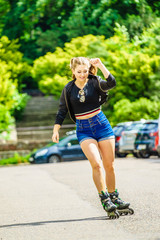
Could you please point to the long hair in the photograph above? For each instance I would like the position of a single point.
(82, 61)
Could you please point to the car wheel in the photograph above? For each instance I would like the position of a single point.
(121, 155)
(54, 159)
(144, 154)
(137, 155)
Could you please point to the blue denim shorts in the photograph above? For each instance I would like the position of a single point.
(97, 127)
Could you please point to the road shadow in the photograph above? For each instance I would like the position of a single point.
(55, 221)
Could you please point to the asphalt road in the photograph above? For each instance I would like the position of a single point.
(59, 201)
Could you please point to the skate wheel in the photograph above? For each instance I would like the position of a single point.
(113, 215)
(131, 211)
(117, 214)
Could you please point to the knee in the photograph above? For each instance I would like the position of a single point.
(97, 167)
(109, 167)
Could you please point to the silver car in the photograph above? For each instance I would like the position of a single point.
(126, 144)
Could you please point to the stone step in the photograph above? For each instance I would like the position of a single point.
(40, 133)
(30, 135)
(49, 99)
(40, 107)
(38, 117)
(41, 113)
(35, 123)
(47, 122)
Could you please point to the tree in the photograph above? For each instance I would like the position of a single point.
(19, 69)
(60, 21)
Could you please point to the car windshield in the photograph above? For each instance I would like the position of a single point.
(117, 130)
(149, 126)
(134, 126)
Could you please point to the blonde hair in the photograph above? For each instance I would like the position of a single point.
(82, 61)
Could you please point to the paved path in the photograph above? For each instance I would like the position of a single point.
(59, 201)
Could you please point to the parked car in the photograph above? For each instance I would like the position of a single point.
(118, 129)
(158, 150)
(126, 143)
(67, 149)
(147, 139)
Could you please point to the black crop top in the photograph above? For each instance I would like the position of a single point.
(95, 95)
(91, 103)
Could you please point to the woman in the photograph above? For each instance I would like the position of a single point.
(82, 98)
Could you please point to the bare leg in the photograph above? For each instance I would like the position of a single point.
(90, 149)
(107, 149)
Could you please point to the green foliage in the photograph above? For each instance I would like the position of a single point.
(18, 69)
(17, 159)
(125, 35)
(137, 71)
(5, 118)
(135, 65)
(132, 111)
(12, 72)
(52, 71)
(42, 25)
(9, 95)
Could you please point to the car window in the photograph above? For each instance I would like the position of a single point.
(63, 142)
(134, 126)
(149, 126)
(73, 142)
(117, 130)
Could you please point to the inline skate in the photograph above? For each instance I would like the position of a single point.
(122, 206)
(108, 206)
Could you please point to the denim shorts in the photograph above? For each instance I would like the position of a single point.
(97, 127)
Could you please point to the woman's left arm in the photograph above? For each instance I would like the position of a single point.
(111, 82)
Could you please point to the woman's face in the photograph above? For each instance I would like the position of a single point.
(81, 72)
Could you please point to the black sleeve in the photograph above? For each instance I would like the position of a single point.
(62, 111)
(108, 84)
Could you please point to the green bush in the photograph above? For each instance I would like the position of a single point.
(17, 159)
(125, 110)
(17, 68)
(5, 118)
(12, 73)
(52, 71)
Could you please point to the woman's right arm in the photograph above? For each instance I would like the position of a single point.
(60, 116)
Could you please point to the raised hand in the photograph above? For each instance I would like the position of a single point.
(96, 62)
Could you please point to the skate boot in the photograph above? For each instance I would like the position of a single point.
(122, 206)
(108, 206)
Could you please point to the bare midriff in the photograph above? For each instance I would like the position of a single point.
(89, 115)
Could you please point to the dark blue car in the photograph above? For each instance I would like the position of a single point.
(67, 149)
(147, 139)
